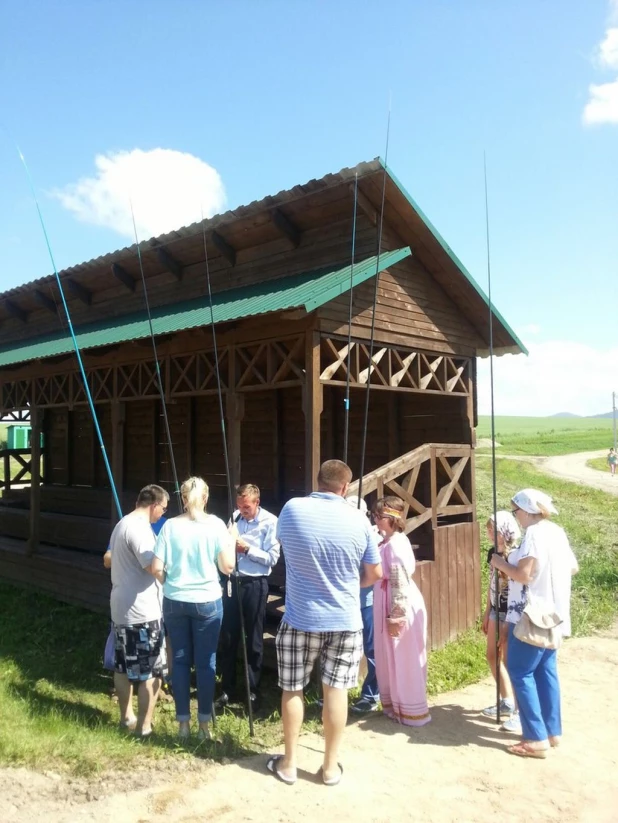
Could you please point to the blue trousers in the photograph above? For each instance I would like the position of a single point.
(370, 689)
(534, 675)
(193, 629)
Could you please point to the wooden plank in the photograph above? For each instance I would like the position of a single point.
(313, 403)
(453, 581)
(123, 276)
(461, 538)
(36, 423)
(476, 604)
(441, 555)
(223, 247)
(287, 227)
(16, 311)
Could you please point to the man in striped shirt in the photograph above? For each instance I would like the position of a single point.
(330, 552)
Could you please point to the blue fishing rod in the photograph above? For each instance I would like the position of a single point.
(74, 339)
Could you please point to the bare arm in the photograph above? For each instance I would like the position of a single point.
(371, 573)
(157, 569)
(523, 572)
(107, 559)
(226, 559)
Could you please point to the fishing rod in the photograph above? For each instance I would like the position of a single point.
(496, 580)
(230, 498)
(373, 314)
(346, 402)
(168, 433)
(82, 370)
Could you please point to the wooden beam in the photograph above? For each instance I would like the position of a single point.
(79, 291)
(123, 275)
(45, 301)
(169, 263)
(16, 311)
(313, 400)
(36, 423)
(286, 227)
(366, 205)
(224, 247)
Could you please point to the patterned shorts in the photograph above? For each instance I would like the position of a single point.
(140, 650)
(339, 652)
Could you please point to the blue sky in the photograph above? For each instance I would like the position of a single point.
(275, 92)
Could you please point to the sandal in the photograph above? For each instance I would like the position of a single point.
(554, 742)
(524, 749)
(271, 765)
(332, 781)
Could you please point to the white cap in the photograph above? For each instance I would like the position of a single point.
(530, 500)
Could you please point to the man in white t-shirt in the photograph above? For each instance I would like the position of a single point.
(136, 611)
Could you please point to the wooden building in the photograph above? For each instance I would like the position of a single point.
(281, 273)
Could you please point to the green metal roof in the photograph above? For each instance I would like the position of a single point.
(309, 290)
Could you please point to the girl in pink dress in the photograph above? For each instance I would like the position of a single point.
(400, 620)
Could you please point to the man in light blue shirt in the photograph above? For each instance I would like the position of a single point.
(257, 552)
(330, 552)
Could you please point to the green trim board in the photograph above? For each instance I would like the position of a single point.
(308, 290)
(445, 246)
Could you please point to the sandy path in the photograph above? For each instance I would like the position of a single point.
(454, 769)
(573, 467)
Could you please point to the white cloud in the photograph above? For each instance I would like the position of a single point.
(608, 50)
(168, 189)
(557, 376)
(531, 328)
(603, 104)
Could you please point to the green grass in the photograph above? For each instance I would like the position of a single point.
(548, 436)
(599, 464)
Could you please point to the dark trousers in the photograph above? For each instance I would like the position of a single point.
(253, 596)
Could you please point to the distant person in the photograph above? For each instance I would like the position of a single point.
(504, 536)
(539, 572)
(612, 460)
(139, 650)
(257, 553)
(400, 619)
(189, 550)
(330, 553)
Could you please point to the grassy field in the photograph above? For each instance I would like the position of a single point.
(599, 463)
(55, 697)
(548, 436)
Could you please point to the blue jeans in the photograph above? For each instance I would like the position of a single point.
(534, 675)
(370, 686)
(193, 630)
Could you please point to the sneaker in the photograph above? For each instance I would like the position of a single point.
(363, 706)
(506, 707)
(513, 724)
(221, 702)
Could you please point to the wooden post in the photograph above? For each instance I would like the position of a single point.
(394, 425)
(313, 400)
(118, 420)
(36, 421)
(234, 412)
(472, 420)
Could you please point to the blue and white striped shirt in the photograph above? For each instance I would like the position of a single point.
(324, 542)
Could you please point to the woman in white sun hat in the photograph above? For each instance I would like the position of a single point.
(539, 571)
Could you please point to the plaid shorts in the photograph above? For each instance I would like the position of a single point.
(139, 650)
(339, 652)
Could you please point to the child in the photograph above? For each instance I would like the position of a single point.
(612, 460)
(400, 620)
(504, 539)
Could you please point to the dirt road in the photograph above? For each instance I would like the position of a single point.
(573, 467)
(454, 769)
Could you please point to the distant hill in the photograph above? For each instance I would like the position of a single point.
(587, 417)
(566, 414)
(607, 414)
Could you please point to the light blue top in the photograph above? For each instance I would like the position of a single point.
(189, 551)
(261, 535)
(324, 542)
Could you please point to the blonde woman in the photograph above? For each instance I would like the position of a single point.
(400, 620)
(189, 551)
(539, 573)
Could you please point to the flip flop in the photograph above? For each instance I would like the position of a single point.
(271, 765)
(526, 750)
(333, 781)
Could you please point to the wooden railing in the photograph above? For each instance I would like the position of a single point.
(431, 480)
(23, 475)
